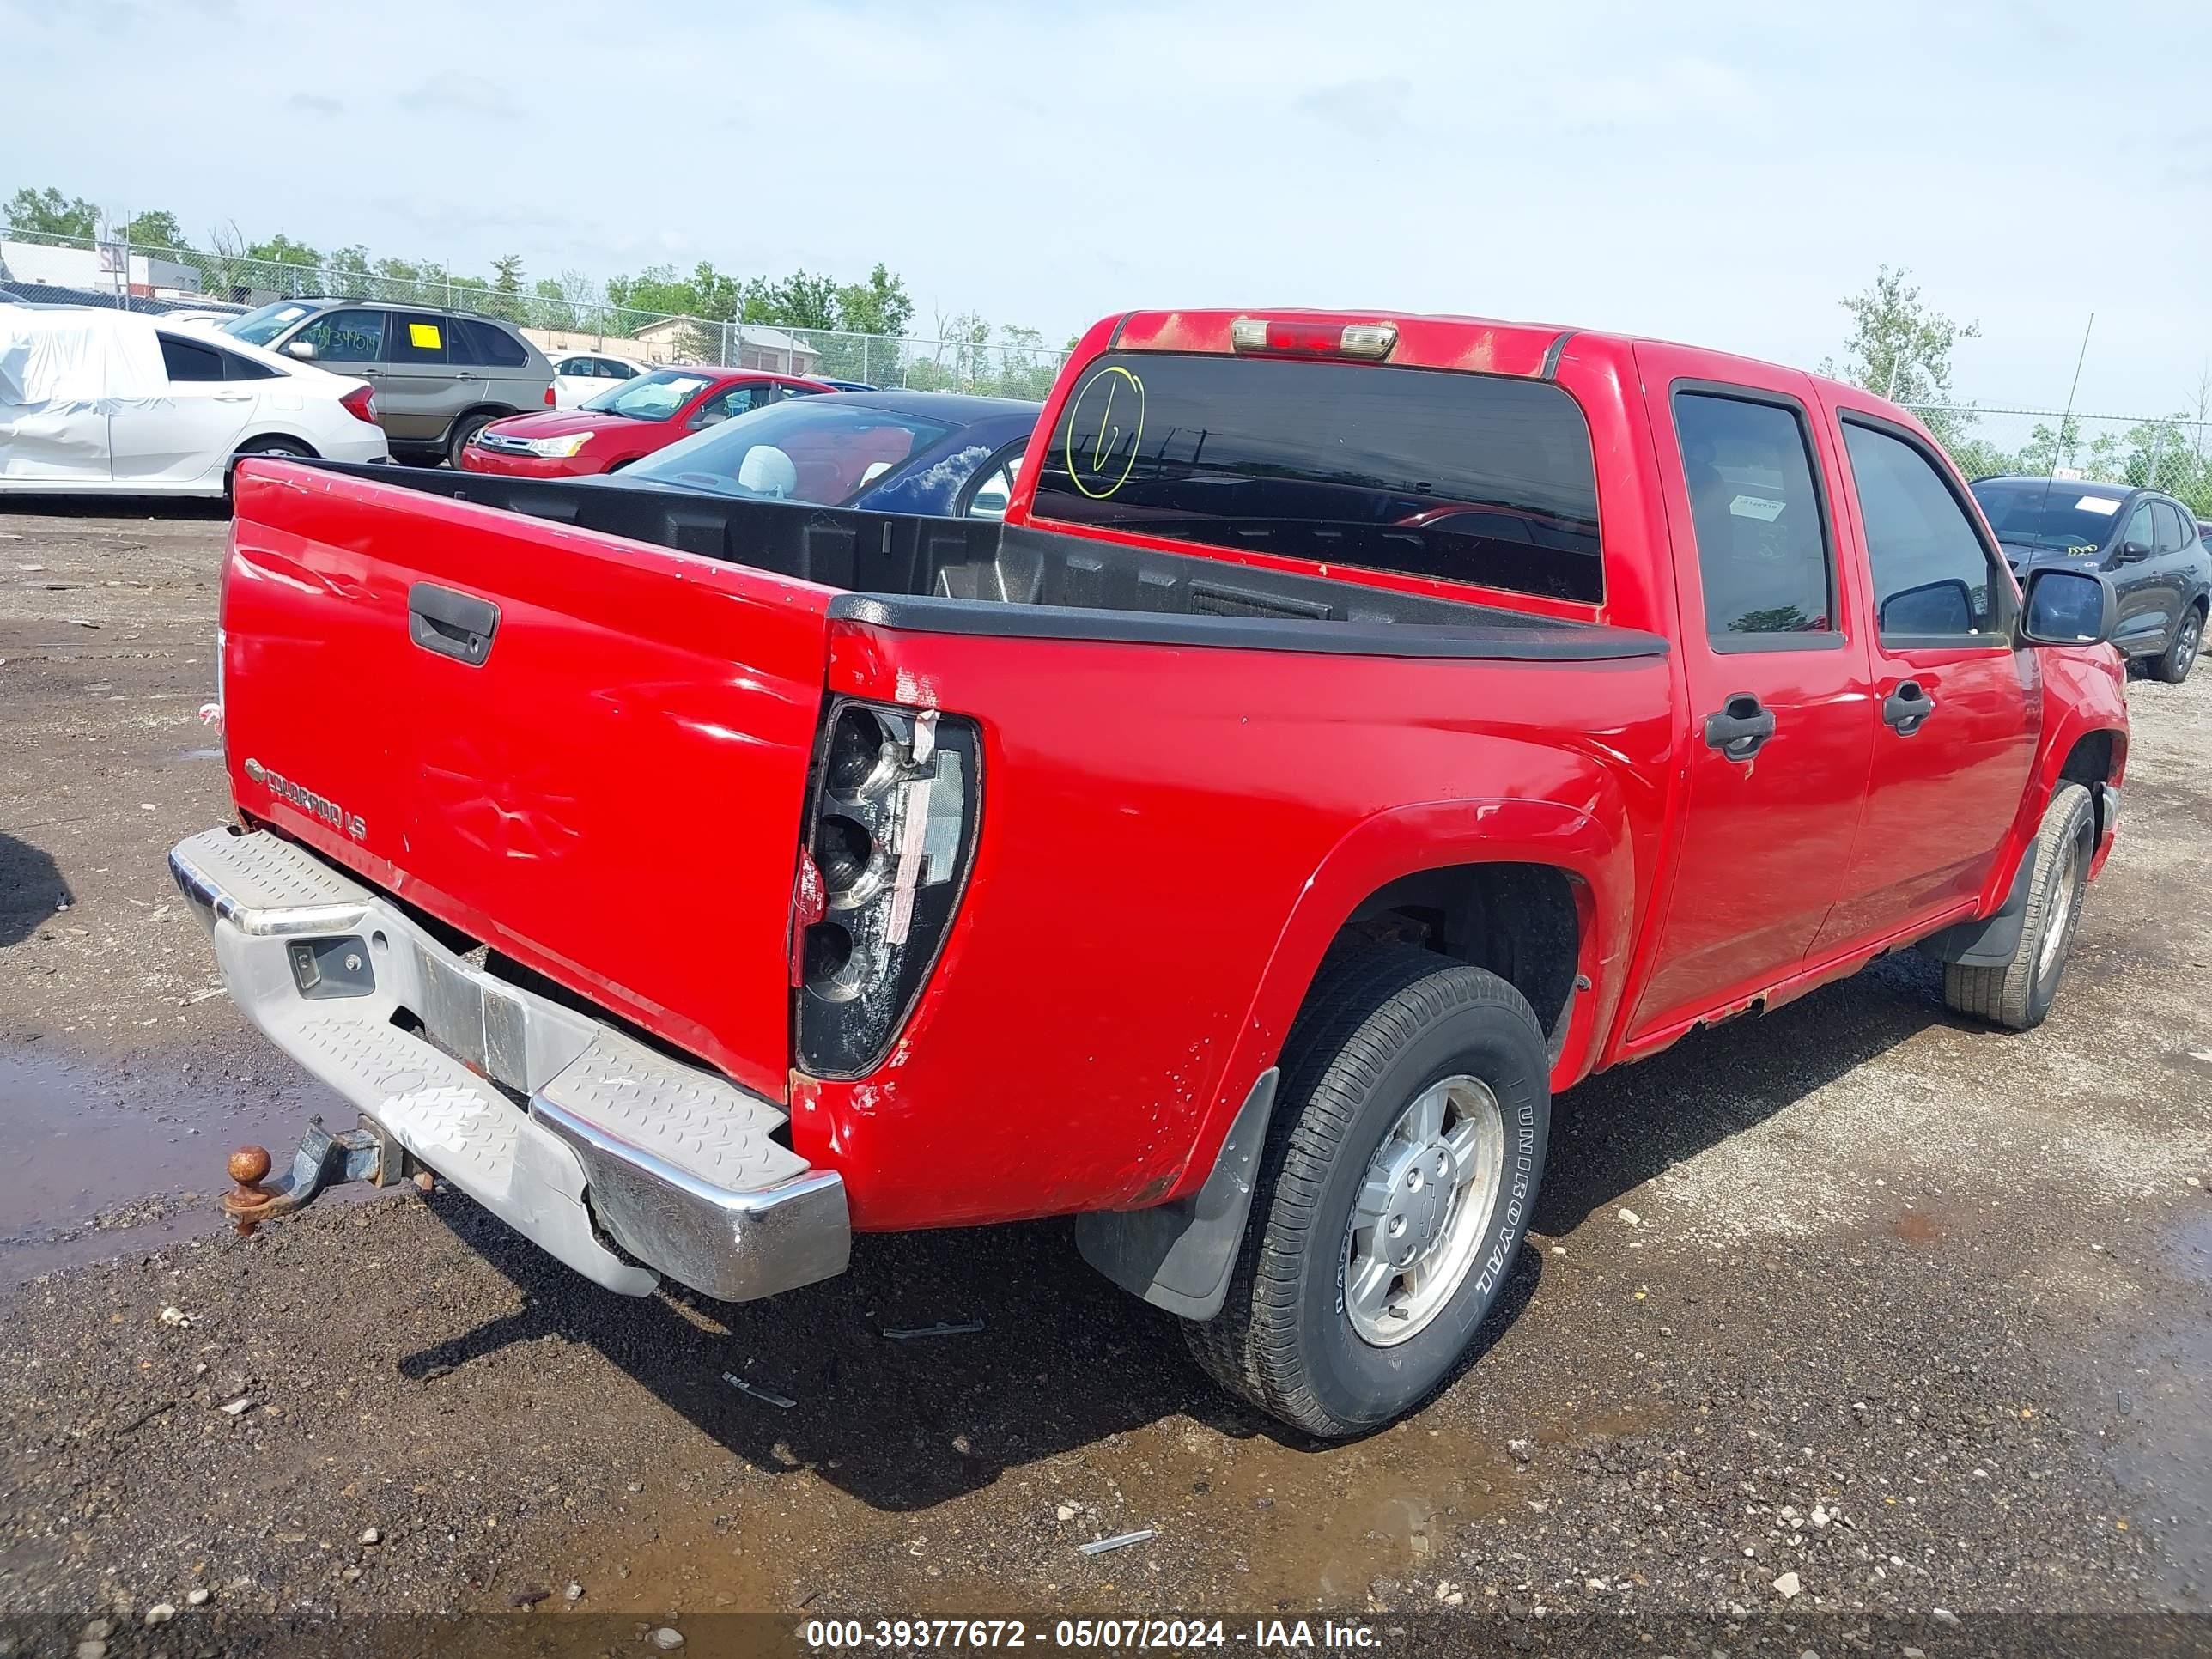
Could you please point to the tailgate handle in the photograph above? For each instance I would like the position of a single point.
(456, 625)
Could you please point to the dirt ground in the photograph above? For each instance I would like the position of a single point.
(1853, 1329)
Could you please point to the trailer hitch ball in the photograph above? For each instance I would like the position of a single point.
(324, 1160)
(249, 1166)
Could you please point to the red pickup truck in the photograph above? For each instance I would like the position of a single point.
(1360, 729)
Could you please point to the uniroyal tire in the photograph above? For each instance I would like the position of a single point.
(1381, 1025)
(2018, 993)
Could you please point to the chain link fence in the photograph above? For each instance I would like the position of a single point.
(2172, 453)
(971, 357)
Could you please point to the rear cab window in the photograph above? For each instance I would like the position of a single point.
(1479, 478)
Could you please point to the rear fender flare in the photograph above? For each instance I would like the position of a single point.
(1406, 841)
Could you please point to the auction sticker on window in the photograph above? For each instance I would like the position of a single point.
(424, 335)
(1105, 424)
(2097, 504)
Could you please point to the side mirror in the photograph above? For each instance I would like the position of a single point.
(2134, 552)
(303, 349)
(2067, 607)
(1942, 607)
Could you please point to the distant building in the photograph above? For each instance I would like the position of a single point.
(735, 345)
(151, 276)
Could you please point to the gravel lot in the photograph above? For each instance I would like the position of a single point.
(1831, 1319)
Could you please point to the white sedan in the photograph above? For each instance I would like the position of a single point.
(581, 375)
(114, 404)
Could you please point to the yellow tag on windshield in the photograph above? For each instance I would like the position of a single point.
(424, 335)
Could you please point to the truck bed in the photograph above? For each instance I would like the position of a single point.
(973, 576)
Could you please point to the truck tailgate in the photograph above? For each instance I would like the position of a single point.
(603, 780)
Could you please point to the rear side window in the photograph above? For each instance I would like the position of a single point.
(471, 340)
(417, 336)
(2172, 536)
(1761, 528)
(1468, 477)
(244, 368)
(186, 360)
(1932, 577)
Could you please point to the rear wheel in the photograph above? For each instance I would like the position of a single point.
(2180, 656)
(2018, 993)
(1401, 1173)
(464, 429)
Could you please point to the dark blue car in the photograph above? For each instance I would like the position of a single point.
(931, 452)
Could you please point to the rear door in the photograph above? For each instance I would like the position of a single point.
(1955, 710)
(185, 439)
(420, 393)
(607, 787)
(498, 364)
(1777, 666)
(2169, 566)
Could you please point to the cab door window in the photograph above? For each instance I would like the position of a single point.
(1764, 557)
(1933, 579)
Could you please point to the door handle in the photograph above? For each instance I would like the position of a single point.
(1907, 708)
(1740, 730)
(234, 396)
(456, 625)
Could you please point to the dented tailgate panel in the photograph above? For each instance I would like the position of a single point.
(604, 782)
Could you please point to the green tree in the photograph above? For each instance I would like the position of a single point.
(349, 273)
(507, 288)
(798, 301)
(1901, 347)
(298, 267)
(156, 228)
(658, 291)
(47, 216)
(878, 306)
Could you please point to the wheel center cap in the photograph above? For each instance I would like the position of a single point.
(1421, 1192)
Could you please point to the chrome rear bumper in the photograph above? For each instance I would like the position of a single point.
(613, 1155)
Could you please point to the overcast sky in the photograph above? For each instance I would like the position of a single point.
(1714, 172)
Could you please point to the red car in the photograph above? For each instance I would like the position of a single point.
(1359, 730)
(627, 422)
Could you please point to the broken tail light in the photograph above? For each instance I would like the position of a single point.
(891, 831)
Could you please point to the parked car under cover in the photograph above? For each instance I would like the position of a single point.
(109, 403)
(932, 452)
(2147, 542)
(628, 421)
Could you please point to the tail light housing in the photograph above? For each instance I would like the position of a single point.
(1373, 341)
(549, 397)
(360, 403)
(892, 833)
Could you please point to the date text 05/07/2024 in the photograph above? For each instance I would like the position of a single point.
(1106, 1635)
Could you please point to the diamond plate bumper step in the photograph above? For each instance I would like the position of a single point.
(621, 1157)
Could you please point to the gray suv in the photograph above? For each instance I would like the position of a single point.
(439, 375)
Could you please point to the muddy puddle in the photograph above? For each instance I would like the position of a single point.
(1273, 1525)
(96, 1162)
(2161, 1442)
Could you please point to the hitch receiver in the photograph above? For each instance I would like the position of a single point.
(370, 1153)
